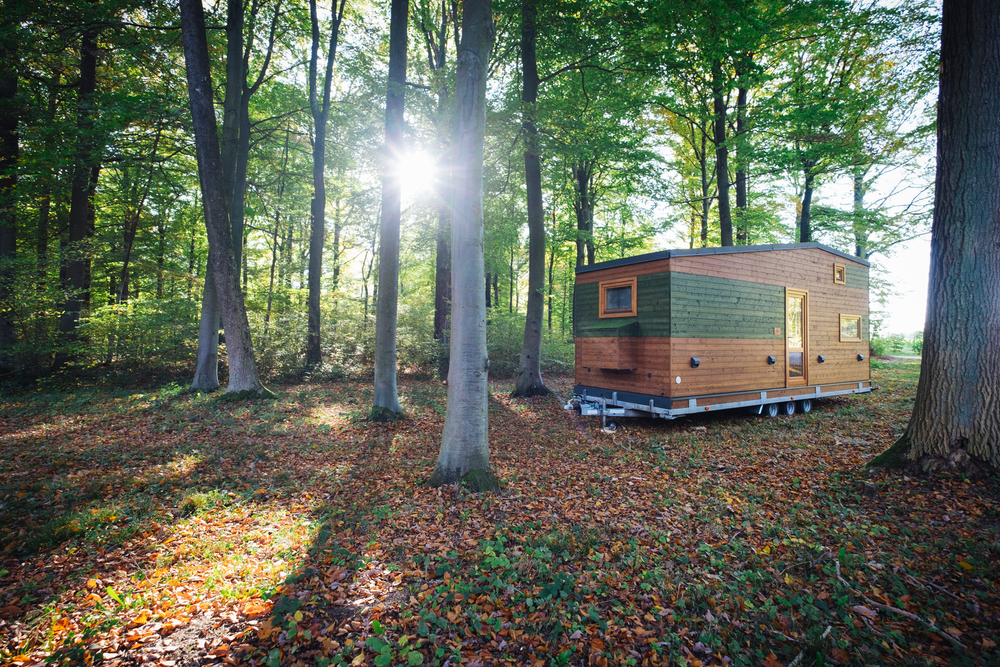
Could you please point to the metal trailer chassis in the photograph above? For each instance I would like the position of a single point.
(605, 406)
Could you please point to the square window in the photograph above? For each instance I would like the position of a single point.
(840, 274)
(618, 298)
(850, 328)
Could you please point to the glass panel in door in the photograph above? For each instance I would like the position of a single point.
(795, 343)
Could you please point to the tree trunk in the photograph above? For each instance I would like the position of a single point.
(243, 374)
(529, 375)
(207, 379)
(805, 217)
(721, 154)
(552, 261)
(742, 233)
(77, 265)
(9, 150)
(583, 205)
(320, 114)
(706, 202)
(385, 404)
(860, 227)
(465, 453)
(956, 415)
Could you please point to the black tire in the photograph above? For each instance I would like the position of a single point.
(771, 410)
(611, 426)
(805, 405)
(788, 408)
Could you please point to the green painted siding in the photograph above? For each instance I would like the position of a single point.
(701, 307)
(707, 307)
(652, 304)
(857, 276)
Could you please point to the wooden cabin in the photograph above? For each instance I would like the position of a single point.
(769, 327)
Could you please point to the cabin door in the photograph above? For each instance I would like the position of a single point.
(796, 337)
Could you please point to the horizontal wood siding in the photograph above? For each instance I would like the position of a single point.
(652, 365)
(641, 269)
(857, 276)
(726, 365)
(723, 309)
(652, 308)
(710, 307)
(809, 269)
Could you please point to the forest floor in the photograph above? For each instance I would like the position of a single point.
(158, 527)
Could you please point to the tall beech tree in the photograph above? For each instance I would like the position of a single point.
(9, 149)
(465, 451)
(243, 373)
(956, 416)
(85, 174)
(529, 375)
(385, 405)
(320, 115)
(235, 148)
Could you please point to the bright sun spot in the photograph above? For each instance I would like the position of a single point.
(417, 172)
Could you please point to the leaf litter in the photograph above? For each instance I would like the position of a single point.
(168, 528)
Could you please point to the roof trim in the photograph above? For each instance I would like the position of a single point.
(728, 250)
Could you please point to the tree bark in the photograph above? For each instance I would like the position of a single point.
(243, 374)
(77, 268)
(465, 453)
(805, 217)
(956, 415)
(320, 114)
(583, 205)
(860, 228)
(385, 403)
(529, 375)
(721, 154)
(9, 150)
(742, 208)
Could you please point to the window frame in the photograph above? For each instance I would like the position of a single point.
(840, 274)
(851, 339)
(606, 285)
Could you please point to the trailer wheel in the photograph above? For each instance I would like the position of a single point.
(611, 426)
(771, 409)
(789, 408)
(805, 405)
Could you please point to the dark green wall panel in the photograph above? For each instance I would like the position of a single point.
(708, 307)
(857, 276)
(682, 305)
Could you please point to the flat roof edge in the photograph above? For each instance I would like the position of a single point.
(728, 250)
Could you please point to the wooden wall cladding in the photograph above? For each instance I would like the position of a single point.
(725, 365)
(640, 269)
(594, 368)
(711, 307)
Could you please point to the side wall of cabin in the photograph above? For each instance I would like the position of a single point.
(726, 310)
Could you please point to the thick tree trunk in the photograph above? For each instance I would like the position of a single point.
(77, 268)
(9, 150)
(207, 379)
(583, 205)
(721, 154)
(465, 453)
(529, 375)
(243, 374)
(956, 416)
(385, 404)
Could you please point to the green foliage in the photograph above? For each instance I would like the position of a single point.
(141, 335)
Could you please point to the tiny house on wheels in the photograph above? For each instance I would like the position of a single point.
(677, 332)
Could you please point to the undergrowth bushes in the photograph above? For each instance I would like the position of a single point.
(154, 340)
